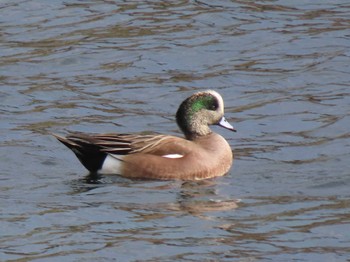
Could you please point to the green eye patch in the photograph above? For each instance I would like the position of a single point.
(204, 102)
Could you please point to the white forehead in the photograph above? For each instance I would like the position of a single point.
(218, 97)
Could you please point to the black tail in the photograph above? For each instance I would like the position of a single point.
(89, 155)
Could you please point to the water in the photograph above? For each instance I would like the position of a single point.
(100, 66)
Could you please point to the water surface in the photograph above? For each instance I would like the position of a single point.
(124, 66)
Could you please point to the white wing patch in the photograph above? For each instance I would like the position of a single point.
(173, 156)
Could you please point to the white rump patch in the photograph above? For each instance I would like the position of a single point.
(173, 156)
(111, 165)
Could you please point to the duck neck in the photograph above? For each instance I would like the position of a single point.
(194, 131)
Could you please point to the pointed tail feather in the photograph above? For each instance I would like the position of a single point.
(89, 155)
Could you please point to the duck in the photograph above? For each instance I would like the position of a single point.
(200, 154)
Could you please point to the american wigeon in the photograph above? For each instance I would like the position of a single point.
(201, 154)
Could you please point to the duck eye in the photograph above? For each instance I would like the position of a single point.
(214, 106)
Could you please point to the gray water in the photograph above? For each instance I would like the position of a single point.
(124, 66)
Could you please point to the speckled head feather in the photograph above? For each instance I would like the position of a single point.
(197, 112)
